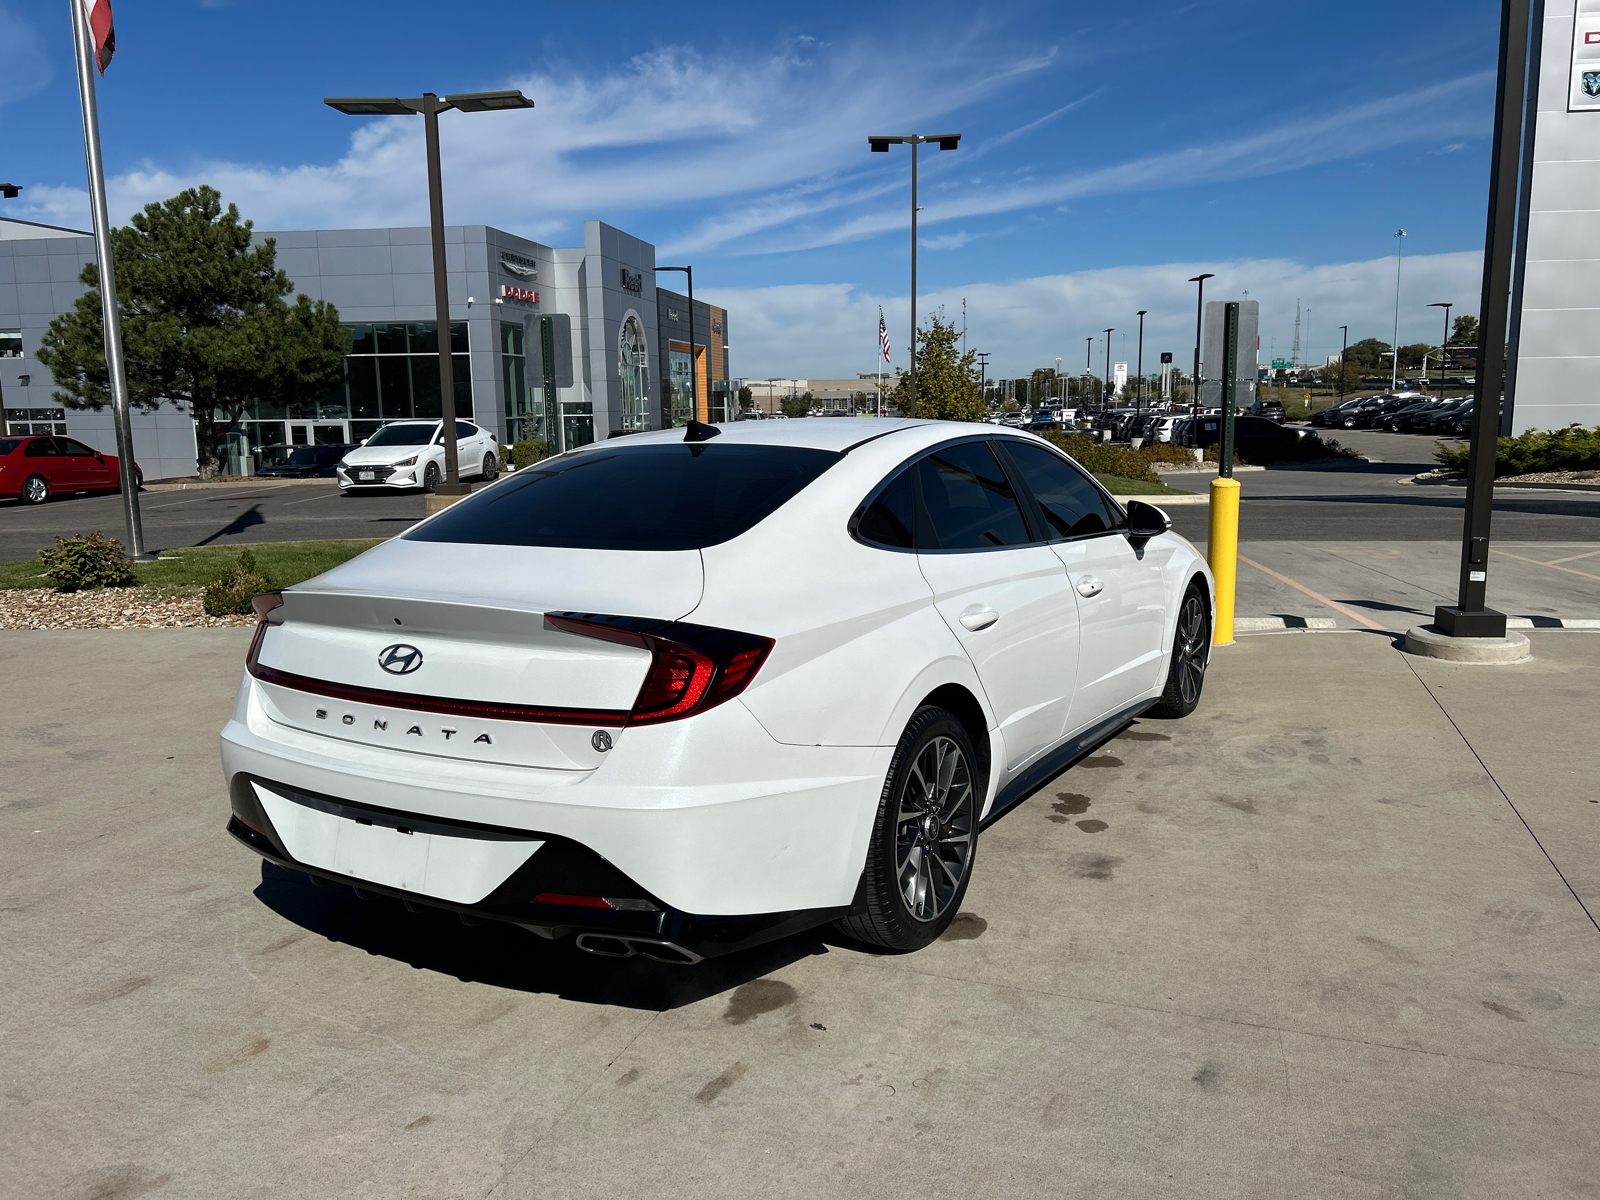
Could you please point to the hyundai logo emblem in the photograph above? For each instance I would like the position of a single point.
(601, 740)
(400, 659)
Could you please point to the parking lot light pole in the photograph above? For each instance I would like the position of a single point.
(1344, 350)
(1199, 313)
(1469, 617)
(1109, 332)
(1399, 257)
(429, 106)
(1139, 370)
(694, 366)
(879, 144)
(1443, 352)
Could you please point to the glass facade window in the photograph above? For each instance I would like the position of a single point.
(633, 370)
(10, 343)
(20, 422)
(680, 385)
(525, 417)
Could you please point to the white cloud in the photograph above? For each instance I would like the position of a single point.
(830, 330)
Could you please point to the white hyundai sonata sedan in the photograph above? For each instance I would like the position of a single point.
(687, 691)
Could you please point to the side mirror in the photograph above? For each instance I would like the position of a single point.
(1145, 521)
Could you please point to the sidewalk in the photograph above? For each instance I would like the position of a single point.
(1326, 938)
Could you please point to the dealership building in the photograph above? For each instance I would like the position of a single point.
(564, 345)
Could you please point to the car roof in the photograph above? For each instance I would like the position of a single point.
(810, 432)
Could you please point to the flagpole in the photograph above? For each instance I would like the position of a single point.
(111, 316)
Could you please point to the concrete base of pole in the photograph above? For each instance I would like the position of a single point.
(442, 499)
(1427, 641)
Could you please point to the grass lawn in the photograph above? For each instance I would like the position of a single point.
(186, 572)
(1118, 486)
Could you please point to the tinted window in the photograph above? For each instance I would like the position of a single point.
(969, 499)
(7, 445)
(69, 446)
(1073, 506)
(651, 497)
(402, 435)
(42, 448)
(306, 456)
(888, 520)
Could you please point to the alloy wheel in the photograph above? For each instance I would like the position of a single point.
(1191, 657)
(933, 832)
(35, 490)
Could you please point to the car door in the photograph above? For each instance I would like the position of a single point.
(44, 457)
(1004, 595)
(1121, 591)
(89, 471)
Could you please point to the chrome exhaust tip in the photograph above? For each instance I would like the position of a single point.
(652, 948)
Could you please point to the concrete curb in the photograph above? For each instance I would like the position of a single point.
(1269, 624)
(1549, 487)
(1425, 641)
(1160, 501)
(247, 485)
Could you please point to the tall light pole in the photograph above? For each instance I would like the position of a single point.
(983, 372)
(1109, 332)
(1088, 355)
(430, 106)
(694, 365)
(1199, 312)
(1445, 342)
(1344, 351)
(1059, 395)
(880, 145)
(1139, 401)
(1399, 254)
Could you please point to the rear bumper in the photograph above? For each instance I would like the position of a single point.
(708, 815)
(559, 867)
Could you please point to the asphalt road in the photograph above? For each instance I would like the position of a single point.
(1355, 502)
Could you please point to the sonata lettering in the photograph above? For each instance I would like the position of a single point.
(382, 726)
(416, 729)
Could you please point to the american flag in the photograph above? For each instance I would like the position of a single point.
(101, 34)
(883, 336)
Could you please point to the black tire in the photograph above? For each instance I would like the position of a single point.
(1191, 651)
(138, 480)
(491, 467)
(430, 477)
(35, 490)
(908, 897)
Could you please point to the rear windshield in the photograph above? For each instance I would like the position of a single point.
(655, 497)
(403, 435)
(7, 445)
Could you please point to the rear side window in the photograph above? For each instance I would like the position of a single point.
(969, 499)
(889, 519)
(1073, 506)
(655, 497)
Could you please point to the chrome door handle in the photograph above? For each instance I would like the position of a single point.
(979, 618)
(1089, 586)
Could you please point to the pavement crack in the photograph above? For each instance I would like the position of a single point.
(1510, 803)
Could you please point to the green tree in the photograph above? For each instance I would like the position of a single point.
(1366, 352)
(204, 323)
(1351, 374)
(947, 380)
(1465, 332)
(747, 399)
(797, 406)
(1411, 356)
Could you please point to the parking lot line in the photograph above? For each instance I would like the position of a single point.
(1317, 596)
(1551, 565)
(309, 499)
(1572, 558)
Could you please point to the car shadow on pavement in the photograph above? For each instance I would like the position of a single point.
(502, 955)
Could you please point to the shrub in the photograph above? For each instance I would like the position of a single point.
(87, 561)
(1571, 449)
(1103, 459)
(230, 593)
(523, 453)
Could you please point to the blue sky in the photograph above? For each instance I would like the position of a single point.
(1109, 151)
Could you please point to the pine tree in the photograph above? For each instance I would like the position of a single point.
(204, 323)
(947, 380)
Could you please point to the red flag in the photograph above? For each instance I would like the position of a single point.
(104, 37)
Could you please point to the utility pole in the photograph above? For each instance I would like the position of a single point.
(1139, 401)
(1199, 313)
(1399, 254)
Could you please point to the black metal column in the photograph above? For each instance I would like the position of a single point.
(1230, 375)
(1469, 617)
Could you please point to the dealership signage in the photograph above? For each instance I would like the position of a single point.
(1584, 88)
(518, 295)
(518, 265)
(632, 281)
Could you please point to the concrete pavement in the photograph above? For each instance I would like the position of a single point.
(1326, 937)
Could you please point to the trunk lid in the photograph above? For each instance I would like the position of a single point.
(473, 671)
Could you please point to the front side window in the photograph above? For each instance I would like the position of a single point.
(1072, 505)
(672, 496)
(969, 499)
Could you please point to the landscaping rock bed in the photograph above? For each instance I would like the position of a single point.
(106, 608)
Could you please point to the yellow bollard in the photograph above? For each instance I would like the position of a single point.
(1222, 551)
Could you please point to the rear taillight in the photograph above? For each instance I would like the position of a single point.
(692, 667)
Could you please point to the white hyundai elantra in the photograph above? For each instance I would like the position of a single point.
(687, 691)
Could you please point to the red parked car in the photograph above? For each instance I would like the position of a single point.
(35, 468)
